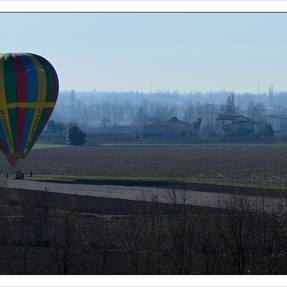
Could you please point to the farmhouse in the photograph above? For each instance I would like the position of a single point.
(173, 128)
(237, 125)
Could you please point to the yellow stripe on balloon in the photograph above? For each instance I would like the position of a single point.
(27, 105)
(4, 116)
(42, 91)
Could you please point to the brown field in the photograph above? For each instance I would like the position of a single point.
(158, 160)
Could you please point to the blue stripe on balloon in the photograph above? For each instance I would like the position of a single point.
(28, 121)
(31, 76)
(3, 139)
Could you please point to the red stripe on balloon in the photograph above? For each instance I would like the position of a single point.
(21, 113)
(21, 81)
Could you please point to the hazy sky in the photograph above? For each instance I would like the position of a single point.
(138, 51)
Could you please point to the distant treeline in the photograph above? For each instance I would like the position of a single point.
(94, 109)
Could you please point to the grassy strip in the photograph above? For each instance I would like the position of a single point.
(241, 183)
(47, 146)
(273, 145)
(147, 144)
(108, 178)
(155, 180)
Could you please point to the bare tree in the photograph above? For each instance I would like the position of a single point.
(63, 232)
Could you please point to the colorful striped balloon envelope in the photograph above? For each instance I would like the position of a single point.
(28, 93)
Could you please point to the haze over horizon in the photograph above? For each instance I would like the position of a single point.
(155, 52)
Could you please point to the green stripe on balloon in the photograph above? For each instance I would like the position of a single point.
(10, 78)
(48, 75)
(13, 125)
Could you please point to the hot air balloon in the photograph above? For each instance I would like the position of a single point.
(28, 92)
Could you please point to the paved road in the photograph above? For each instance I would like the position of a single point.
(163, 195)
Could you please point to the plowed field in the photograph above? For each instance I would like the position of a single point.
(158, 160)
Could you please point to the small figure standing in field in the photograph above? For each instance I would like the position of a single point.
(31, 174)
(7, 175)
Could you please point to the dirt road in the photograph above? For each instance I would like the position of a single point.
(163, 195)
